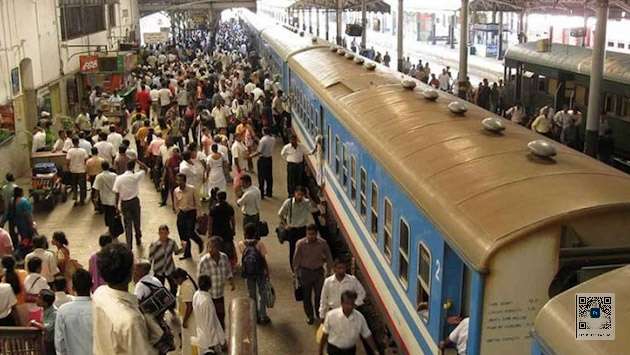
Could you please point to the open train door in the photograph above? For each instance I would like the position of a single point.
(320, 143)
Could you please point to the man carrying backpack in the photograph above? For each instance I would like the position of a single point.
(255, 270)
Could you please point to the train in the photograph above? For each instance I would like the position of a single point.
(561, 77)
(450, 209)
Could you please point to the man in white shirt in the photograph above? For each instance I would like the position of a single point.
(39, 140)
(141, 277)
(59, 286)
(34, 281)
(7, 304)
(104, 185)
(219, 115)
(155, 103)
(343, 326)
(445, 80)
(127, 189)
(84, 143)
(458, 337)
(294, 153)
(335, 285)
(239, 155)
(265, 162)
(76, 158)
(165, 100)
(49, 261)
(114, 138)
(63, 143)
(118, 325)
(250, 201)
(100, 121)
(210, 334)
(105, 149)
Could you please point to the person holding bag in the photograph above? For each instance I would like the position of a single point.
(295, 214)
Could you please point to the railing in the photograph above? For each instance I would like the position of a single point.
(21, 341)
(243, 327)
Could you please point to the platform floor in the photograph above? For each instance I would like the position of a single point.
(288, 332)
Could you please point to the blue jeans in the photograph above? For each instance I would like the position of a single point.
(257, 284)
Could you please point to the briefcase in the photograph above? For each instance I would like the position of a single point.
(263, 229)
(117, 226)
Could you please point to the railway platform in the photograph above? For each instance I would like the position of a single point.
(288, 332)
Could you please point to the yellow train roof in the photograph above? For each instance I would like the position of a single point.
(481, 190)
(555, 323)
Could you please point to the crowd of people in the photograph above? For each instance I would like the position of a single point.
(208, 114)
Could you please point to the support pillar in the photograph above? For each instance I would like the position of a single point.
(521, 27)
(597, 72)
(339, 20)
(399, 35)
(500, 37)
(327, 26)
(317, 21)
(463, 48)
(310, 20)
(451, 30)
(364, 24)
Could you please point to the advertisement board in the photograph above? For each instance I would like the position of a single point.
(155, 37)
(88, 63)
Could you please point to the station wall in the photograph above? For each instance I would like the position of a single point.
(30, 40)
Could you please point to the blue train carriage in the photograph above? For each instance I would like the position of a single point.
(555, 330)
(446, 218)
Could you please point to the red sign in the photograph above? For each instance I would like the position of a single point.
(88, 63)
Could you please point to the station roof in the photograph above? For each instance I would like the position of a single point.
(572, 59)
(555, 323)
(348, 5)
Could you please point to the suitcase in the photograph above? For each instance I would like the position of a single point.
(44, 168)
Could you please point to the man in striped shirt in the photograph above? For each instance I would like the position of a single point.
(217, 265)
(161, 257)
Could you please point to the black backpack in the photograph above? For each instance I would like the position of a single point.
(252, 262)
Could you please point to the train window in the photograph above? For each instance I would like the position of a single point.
(609, 103)
(424, 282)
(344, 173)
(353, 179)
(611, 44)
(626, 107)
(403, 262)
(363, 203)
(374, 208)
(337, 156)
(330, 148)
(387, 229)
(621, 45)
(542, 83)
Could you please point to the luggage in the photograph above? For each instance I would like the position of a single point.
(270, 294)
(263, 229)
(117, 226)
(44, 168)
(252, 261)
(158, 301)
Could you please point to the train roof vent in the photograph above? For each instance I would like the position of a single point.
(341, 51)
(359, 60)
(370, 66)
(333, 48)
(542, 148)
(313, 39)
(408, 84)
(493, 124)
(430, 94)
(349, 55)
(457, 107)
(301, 33)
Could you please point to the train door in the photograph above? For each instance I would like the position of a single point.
(455, 292)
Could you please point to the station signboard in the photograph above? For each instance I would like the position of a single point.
(88, 63)
(155, 37)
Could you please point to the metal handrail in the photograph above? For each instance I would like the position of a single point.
(243, 339)
(21, 341)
